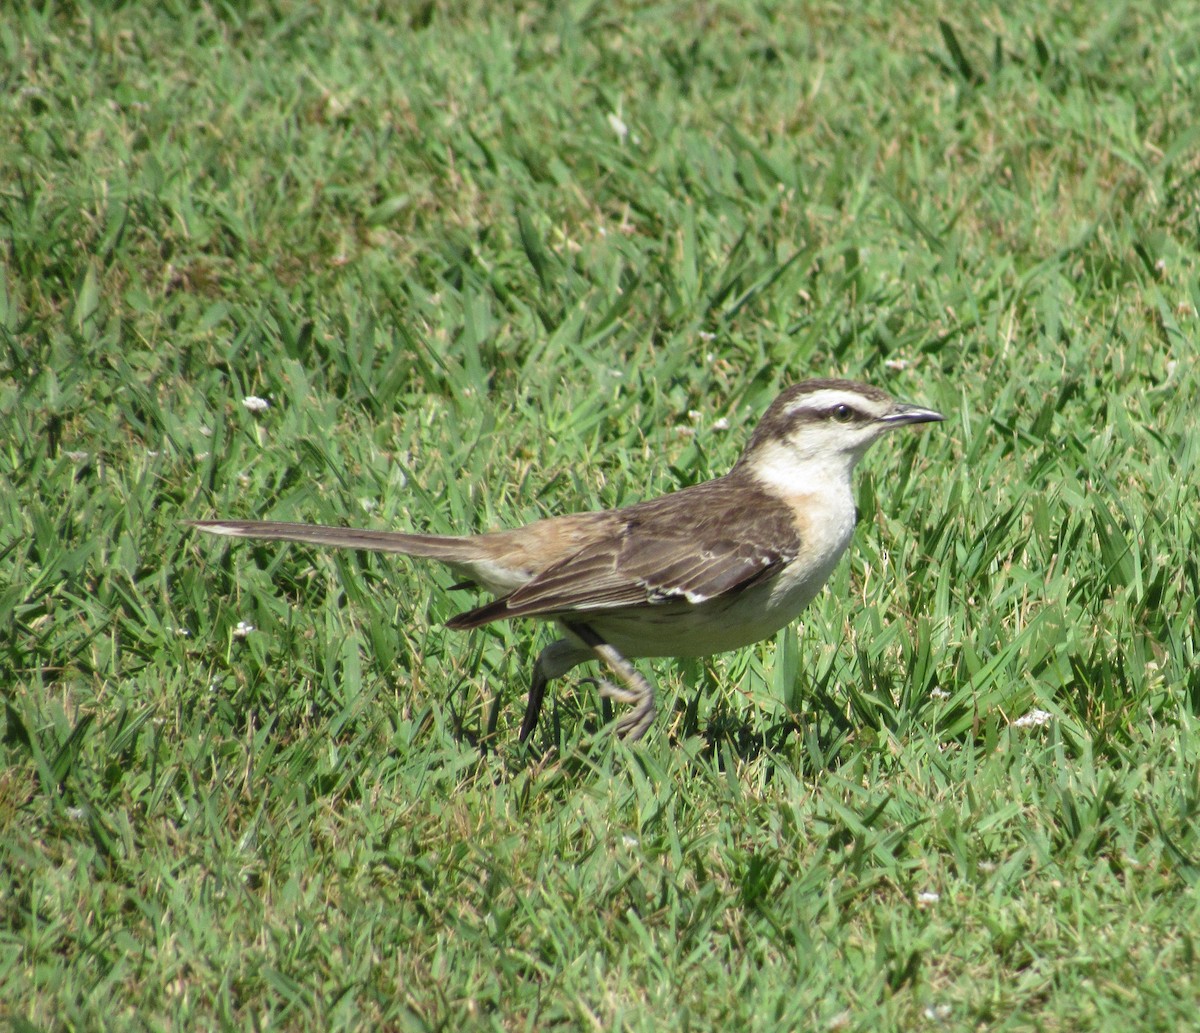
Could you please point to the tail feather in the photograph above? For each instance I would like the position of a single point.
(446, 548)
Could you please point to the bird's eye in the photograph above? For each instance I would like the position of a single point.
(841, 414)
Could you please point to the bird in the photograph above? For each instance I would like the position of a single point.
(706, 569)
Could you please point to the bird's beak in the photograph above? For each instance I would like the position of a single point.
(903, 414)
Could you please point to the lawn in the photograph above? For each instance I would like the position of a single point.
(486, 263)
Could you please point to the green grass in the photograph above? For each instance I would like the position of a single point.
(490, 264)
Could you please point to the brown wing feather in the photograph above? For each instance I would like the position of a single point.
(671, 549)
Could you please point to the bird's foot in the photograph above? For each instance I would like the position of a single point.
(633, 725)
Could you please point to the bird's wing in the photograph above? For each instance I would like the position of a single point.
(661, 554)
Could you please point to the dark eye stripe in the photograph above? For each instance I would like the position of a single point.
(843, 412)
(811, 414)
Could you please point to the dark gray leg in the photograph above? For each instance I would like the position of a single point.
(533, 708)
(553, 662)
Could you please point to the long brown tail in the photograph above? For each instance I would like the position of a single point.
(439, 547)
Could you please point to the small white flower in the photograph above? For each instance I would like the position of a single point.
(629, 841)
(1034, 719)
(335, 106)
(77, 457)
(938, 1012)
(618, 126)
(1161, 265)
(928, 898)
(242, 630)
(695, 415)
(896, 364)
(256, 404)
(720, 424)
(938, 694)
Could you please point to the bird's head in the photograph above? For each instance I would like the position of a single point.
(823, 427)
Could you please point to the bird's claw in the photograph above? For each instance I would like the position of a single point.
(633, 725)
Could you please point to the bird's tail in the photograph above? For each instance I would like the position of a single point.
(447, 549)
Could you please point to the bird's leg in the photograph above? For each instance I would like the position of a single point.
(553, 662)
(635, 690)
(533, 708)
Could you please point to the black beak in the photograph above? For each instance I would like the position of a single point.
(903, 414)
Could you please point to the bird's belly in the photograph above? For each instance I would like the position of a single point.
(717, 626)
(738, 618)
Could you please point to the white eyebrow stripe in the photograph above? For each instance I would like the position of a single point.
(819, 401)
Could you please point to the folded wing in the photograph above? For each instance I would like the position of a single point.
(655, 559)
